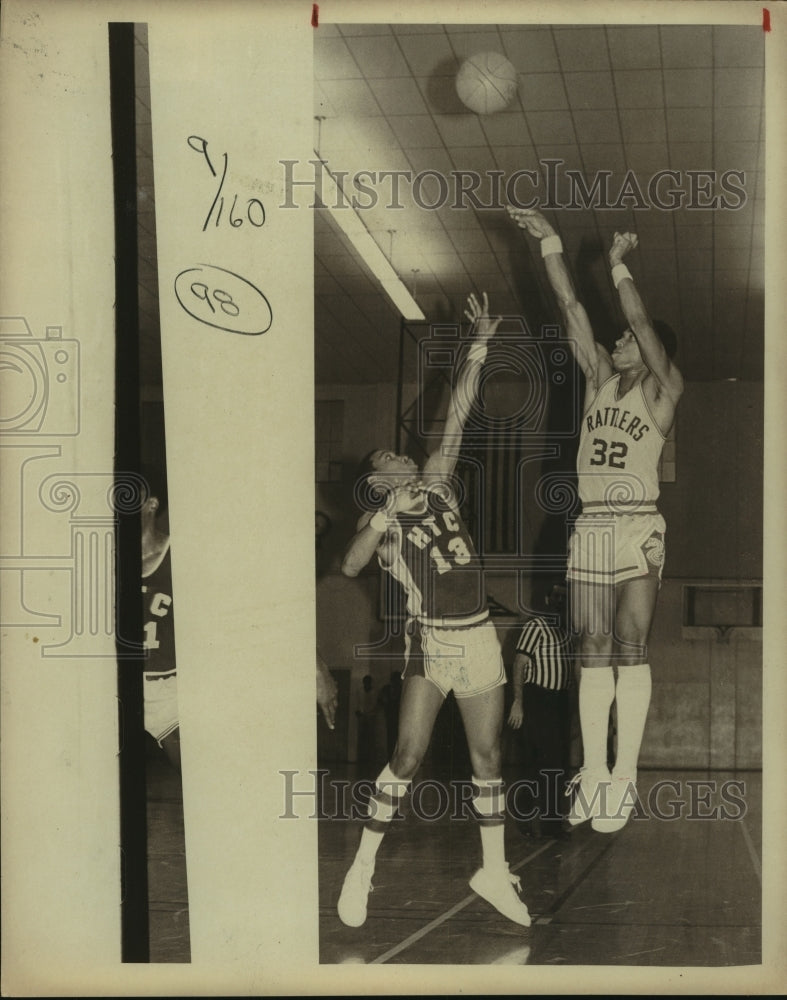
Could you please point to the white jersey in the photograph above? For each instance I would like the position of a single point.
(619, 450)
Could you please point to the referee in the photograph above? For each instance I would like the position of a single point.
(541, 677)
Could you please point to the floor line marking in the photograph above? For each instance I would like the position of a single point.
(438, 921)
(752, 851)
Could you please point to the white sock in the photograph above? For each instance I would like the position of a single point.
(633, 700)
(489, 803)
(382, 808)
(596, 694)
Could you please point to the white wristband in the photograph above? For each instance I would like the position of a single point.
(379, 522)
(551, 244)
(619, 272)
(478, 351)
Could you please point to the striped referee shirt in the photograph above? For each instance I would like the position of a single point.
(548, 652)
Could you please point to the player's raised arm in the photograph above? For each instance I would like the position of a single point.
(591, 356)
(372, 533)
(650, 345)
(465, 392)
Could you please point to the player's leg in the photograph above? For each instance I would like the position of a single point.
(421, 701)
(171, 747)
(592, 622)
(635, 608)
(482, 717)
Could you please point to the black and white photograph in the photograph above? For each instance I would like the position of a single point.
(490, 296)
(539, 344)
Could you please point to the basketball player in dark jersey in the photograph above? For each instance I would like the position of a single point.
(616, 551)
(160, 678)
(420, 539)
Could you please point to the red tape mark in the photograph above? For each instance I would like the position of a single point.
(766, 19)
(316, 16)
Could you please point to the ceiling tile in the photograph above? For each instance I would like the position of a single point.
(551, 127)
(648, 125)
(691, 217)
(513, 158)
(693, 258)
(449, 263)
(633, 47)
(597, 126)
(603, 156)
(352, 30)
(542, 91)
(350, 97)
(566, 154)
(478, 159)
(581, 48)
(737, 87)
(461, 130)
(481, 265)
(686, 45)
(531, 50)
(639, 88)
(509, 128)
(693, 237)
(418, 29)
(322, 105)
(379, 56)
(738, 45)
(690, 155)
(440, 95)
(333, 60)
(429, 54)
(737, 124)
(651, 156)
(689, 125)
(415, 131)
(398, 96)
(735, 156)
(732, 259)
(473, 42)
(654, 233)
(688, 88)
(590, 90)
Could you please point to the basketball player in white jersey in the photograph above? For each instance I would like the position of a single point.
(616, 551)
(420, 539)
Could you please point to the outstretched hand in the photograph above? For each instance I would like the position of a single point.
(327, 694)
(621, 244)
(478, 314)
(532, 221)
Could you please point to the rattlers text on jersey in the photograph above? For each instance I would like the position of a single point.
(438, 566)
(619, 450)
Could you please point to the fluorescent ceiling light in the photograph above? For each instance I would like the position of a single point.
(351, 224)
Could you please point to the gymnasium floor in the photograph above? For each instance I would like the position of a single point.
(168, 912)
(678, 892)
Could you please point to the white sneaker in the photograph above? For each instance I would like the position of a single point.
(499, 887)
(355, 893)
(591, 790)
(620, 804)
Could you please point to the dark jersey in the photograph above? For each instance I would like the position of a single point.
(159, 618)
(438, 566)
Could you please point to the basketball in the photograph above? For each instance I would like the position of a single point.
(486, 83)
